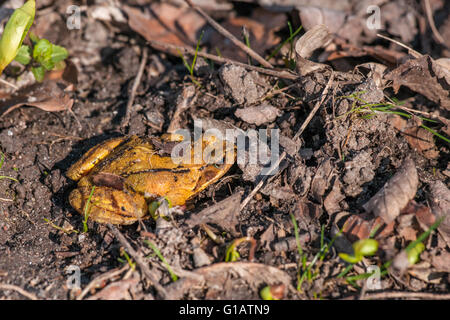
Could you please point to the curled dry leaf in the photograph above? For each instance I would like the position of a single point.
(425, 76)
(47, 96)
(440, 205)
(396, 193)
(421, 140)
(318, 37)
(258, 115)
(220, 281)
(223, 214)
(118, 290)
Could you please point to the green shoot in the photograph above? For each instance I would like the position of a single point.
(68, 231)
(368, 110)
(191, 67)
(361, 249)
(290, 39)
(128, 259)
(160, 256)
(233, 255)
(246, 36)
(43, 56)
(87, 209)
(15, 31)
(2, 160)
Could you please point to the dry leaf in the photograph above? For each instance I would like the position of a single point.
(316, 38)
(224, 214)
(219, 280)
(396, 193)
(440, 205)
(166, 23)
(117, 290)
(421, 140)
(425, 76)
(47, 96)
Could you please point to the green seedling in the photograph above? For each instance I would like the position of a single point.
(233, 255)
(15, 31)
(191, 67)
(43, 56)
(2, 160)
(128, 259)
(161, 257)
(87, 210)
(361, 249)
(415, 248)
(67, 231)
(368, 110)
(275, 292)
(159, 208)
(290, 63)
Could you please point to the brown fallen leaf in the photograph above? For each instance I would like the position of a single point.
(421, 140)
(261, 27)
(47, 96)
(223, 214)
(425, 76)
(118, 290)
(166, 23)
(396, 193)
(221, 278)
(358, 227)
(440, 205)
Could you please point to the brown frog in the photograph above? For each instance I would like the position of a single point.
(129, 173)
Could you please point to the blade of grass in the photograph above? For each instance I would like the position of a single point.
(87, 208)
(160, 256)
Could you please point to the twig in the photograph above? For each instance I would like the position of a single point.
(173, 49)
(138, 258)
(136, 83)
(411, 51)
(296, 137)
(228, 35)
(4, 286)
(431, 22)
(409, 295)
(101, 278)
(9, 84)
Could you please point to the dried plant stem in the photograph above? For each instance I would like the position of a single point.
(136, 83)
(174, 50)
(228, 35)
(431, 22)
(4, 286)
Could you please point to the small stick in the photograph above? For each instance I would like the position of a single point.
(9, 84)
(141, 263)
(101, 278)
(410, 295)
(172, 49)
(296, 137)
(431, 22)
(136, 83)
(411, 51)
(228, 35)
(4, 286)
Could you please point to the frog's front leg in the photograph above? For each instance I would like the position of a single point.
(108, 205)
(92, 157)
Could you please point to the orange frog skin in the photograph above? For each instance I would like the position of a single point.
(129, 173)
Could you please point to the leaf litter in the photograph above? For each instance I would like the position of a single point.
(372, 161)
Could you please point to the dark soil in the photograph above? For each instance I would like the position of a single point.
(353, 155)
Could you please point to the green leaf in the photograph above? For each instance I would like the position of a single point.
(365, 247)
(42, 54)
(58, 53)
(24, 55)
(39, 73)
(350, 258)
(15, 31)
(414, 253)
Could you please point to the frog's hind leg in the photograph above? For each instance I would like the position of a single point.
(92, 157)
(109, 205)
